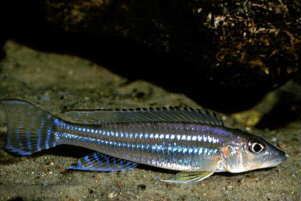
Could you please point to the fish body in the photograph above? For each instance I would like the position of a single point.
(175, 146)
(186, 140)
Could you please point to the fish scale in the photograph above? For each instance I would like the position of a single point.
(164, 145)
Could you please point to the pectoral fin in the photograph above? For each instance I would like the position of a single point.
(188, 177)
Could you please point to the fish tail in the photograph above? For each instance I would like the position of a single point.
(29, 129)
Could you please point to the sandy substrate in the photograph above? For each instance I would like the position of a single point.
(60, 82)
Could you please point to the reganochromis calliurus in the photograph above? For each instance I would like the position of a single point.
(192, 141)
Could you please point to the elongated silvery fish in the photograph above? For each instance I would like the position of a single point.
(192, 141)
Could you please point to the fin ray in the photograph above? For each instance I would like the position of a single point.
(102, 163)
(29, 129)
(189, 115)
(188, 177)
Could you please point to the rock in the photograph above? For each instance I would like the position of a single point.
(278, 109)
(239, 48)
(211, 50)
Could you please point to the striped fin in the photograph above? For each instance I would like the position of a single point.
(29, 129)
(170, 115)
(189, 177)
(102, 163)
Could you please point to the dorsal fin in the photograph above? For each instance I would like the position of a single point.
(165, 114)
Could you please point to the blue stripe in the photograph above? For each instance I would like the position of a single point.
(28, 135)
(118, 134)
(18, 136)
(155, 148)
(39, 133)
(17, 150)
(49, 132)
(28, 141)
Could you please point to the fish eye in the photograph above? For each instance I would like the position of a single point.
(256, 147)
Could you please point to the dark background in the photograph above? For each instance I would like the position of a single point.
(226, 89)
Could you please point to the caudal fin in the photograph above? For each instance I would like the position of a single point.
(29, 129)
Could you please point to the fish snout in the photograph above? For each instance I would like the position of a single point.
(283, 156)
(279, 156)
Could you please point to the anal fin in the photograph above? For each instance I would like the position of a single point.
(188, 177)
(102, 163)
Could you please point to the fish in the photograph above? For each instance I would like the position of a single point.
(193, 142)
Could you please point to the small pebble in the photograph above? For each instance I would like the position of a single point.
(3, 129)
(141, 186)
(112, 195)
(229, 188)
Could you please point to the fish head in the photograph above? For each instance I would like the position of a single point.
(249, 152)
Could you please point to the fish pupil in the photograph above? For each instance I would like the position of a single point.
(256, 147)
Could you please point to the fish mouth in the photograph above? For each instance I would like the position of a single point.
(279, 158)
(282, 156)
